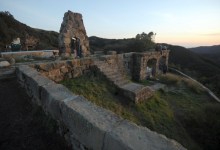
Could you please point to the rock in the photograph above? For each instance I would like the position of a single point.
(72, 26)
(12, 61)
(4, 64)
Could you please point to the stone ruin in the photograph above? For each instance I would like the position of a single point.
(72, 26)
(30, 42)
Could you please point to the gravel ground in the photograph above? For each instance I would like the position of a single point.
(24, 126)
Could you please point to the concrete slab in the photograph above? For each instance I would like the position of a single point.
(133, 87)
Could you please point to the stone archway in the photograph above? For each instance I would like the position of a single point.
(151, 68)
(148, 59)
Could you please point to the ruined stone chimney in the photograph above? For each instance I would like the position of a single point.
(72, 26)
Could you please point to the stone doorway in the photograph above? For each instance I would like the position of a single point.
(151, 68)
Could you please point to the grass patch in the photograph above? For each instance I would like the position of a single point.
(177, 80)
(180, 113)
(170, 79)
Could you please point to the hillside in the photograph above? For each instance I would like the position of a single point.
(10, 28)
(209, 52)
(206, 49)
(138, 44)
(204, 70)
(100, 44)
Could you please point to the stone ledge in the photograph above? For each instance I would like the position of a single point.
(52, 95)
(128, 135)
(87, 122)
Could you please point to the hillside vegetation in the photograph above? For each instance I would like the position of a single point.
(182, 111)
(10, 29)
(140, 43)
(209, 52)
(215, 49)
(204, 70)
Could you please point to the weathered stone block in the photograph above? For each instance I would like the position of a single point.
(87, 122)
(64, 69)
(52, 95)
(33, 83)
(45, 66)
(128, 136)
(136, 92)
(23, 72)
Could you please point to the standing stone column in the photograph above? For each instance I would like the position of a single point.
(72, 26)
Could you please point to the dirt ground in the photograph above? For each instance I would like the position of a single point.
(23, 126)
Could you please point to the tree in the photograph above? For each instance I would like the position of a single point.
(143, 42)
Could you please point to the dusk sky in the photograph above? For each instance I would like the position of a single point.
(188, 23)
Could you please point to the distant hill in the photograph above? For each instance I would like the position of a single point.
(209, 52)
(10, 28)
(138, 44)
(102, 44)
(207, 49)
(203, 69)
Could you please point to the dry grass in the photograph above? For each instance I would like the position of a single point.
(177, 80)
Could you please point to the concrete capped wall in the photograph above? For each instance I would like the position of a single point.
(35, 54)
(88, 126)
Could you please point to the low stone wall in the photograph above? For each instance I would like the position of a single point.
(122, 62)
(85, 125)
(60, 70)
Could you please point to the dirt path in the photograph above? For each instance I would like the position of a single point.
(22, 126)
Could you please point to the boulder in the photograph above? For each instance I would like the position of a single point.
(4, 64)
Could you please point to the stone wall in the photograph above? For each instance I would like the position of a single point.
(59, 70)
(122, 62)
(134, 65)
(72, 26)
(85, 125)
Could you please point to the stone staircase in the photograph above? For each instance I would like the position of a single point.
(135, 92)
(112, 73)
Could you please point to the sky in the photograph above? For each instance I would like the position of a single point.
(188, 23)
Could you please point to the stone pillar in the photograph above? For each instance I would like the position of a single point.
(72, 26)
